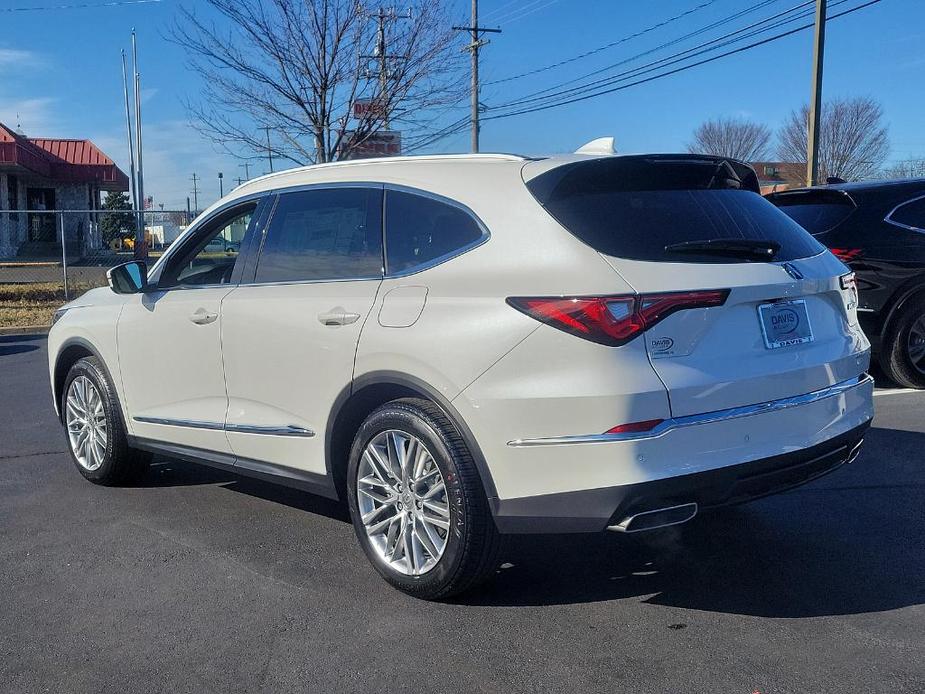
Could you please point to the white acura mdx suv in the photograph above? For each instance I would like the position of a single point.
(460, 347)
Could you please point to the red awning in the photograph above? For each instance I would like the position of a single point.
(67, 161)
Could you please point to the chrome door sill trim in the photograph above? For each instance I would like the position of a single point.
(289, 430)
(705, 418)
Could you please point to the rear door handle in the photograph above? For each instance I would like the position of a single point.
(338, 316)
(203, 317)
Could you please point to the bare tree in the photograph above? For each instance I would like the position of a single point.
(853, 142)
(906, 168)
(290, 71)
(732, 137)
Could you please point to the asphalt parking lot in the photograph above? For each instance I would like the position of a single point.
(198, 581)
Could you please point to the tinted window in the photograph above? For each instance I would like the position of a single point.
(815, 211)
(912, 214)
(633, 208)
(325, 234)
(419, 229)
(212, 256)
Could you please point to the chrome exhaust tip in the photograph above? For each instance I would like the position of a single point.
(656, 518)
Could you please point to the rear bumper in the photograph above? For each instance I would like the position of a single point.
(594, 510)
(710, 461)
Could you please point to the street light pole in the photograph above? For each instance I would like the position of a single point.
(815, 104)
(221, 185)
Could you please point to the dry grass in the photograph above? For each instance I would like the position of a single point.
(34, 304)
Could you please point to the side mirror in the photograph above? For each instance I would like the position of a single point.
(128, 278)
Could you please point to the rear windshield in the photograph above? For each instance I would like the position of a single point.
(815, 211)
(636, 207)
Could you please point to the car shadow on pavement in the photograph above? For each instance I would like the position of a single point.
(852, 542)
(168, 473)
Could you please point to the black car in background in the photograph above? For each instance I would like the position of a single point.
(878, 230)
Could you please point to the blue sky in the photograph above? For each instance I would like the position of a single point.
(60, 73)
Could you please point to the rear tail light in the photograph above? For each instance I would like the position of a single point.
(846, 255)
(613, 320)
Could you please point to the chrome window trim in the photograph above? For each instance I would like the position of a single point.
(439, 260)
(908, 227)
(705, 418)
(286, 430)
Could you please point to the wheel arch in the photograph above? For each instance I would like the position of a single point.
(368, 392)
(71, 351)
(900, 300)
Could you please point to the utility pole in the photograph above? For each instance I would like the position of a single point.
(269, 150)
(195, 181)
(382, 57)
(247, 171)
(477, 42)
(815, 104)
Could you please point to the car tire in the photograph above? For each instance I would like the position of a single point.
(401, 454)
(904, 346)
(94, 429)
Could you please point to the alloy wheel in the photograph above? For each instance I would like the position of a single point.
(915, 345)
(403, 504)
(85, 418)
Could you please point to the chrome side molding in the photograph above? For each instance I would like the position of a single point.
(287, 430)
(187, 423)
(705, 418)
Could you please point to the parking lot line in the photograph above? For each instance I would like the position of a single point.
(896, 391)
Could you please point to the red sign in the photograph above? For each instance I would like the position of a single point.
(385, 143)
(364, 109)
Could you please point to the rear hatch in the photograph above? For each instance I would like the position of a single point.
(686, 223)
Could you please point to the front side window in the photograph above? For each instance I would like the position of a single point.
(323, 234)
(910, 214)
(420, 230)
(212, 257)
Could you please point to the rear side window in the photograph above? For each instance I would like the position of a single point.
(323, 234)
(815, 211)
(420, 230)
(636, 208)
(910, 214)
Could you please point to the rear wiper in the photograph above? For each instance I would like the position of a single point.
(733, 248)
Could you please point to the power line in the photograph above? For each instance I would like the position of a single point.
(656, 49)
(79, 6)
(755, 29)
(517, 18)
(680, 69)
(459, 125)
(517, 10)
(594, 51)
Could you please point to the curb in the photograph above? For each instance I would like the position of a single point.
(26, 330)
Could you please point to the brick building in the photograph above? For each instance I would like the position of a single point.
(51, 174)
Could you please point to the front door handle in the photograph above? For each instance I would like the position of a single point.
(338, 316)
(203, 317)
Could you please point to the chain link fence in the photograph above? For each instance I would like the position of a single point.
(48, 257)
